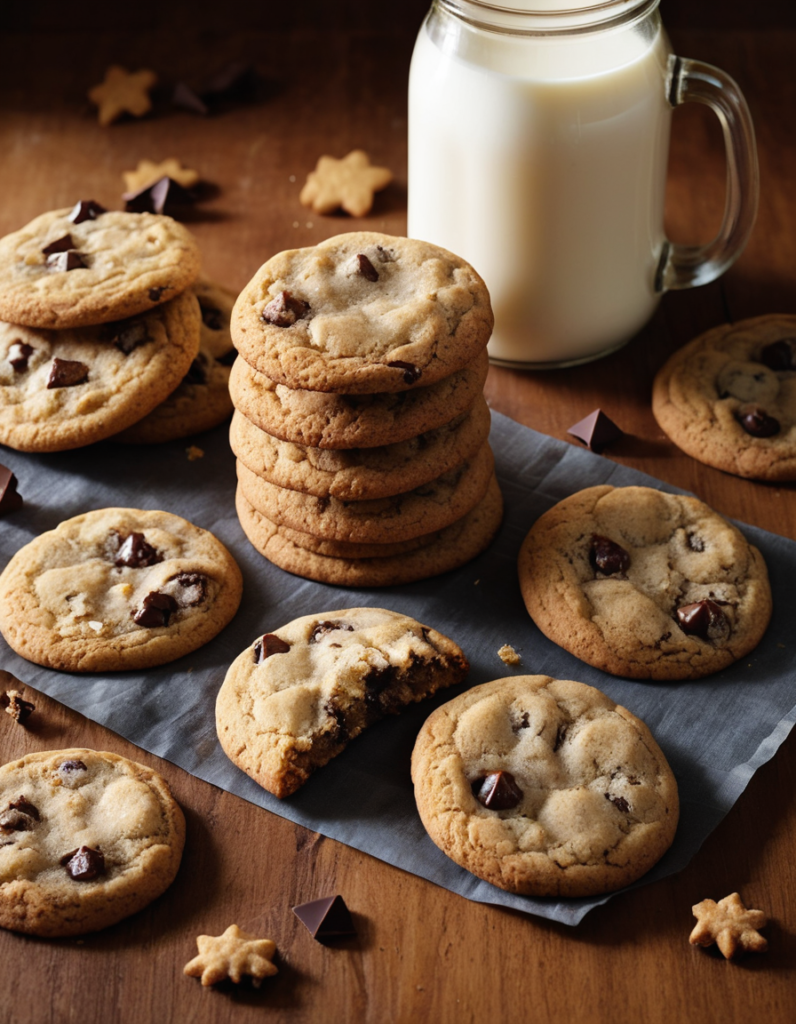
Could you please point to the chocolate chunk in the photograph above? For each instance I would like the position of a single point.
(10, 499)
(136, 553)
(86, 209)
(156, 610)
(285, 310)
(212, 318)
(22, 805)
(695, 543)
(497, 791)
(184, 96)
(267, 645)
(619, 802)
(13, 704)
(70, 766)
(194, 585)
(155, 294)
(59, 245)
(164, 196)
(366, 268)
(71, 259)
(561, 735)
(19, 353)
(780, 355)
(608, 557)
(128, 335)
(228, 358)
(66, 373)
(596, 431)
(412, 373)
(704, 619)
(20, 816)
(84, 864)
(196, 371)
(756, 421)
(327, 918)
(328, 626)
(338, 731)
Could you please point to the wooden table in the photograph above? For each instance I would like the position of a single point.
(422, 953)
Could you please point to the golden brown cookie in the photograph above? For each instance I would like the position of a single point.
(346, 184)
(123, 92)
(729, 925)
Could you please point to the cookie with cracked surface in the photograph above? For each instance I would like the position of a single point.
(728, 398)
(424, 509)
(362, 313)
(66, 389)
(86, 838)
(201, 401)
(365, 565)
(544, 787)
(69, 268)
(323, 420)
(115, 589)
(358, 474)
(644, 584)
(295, 697)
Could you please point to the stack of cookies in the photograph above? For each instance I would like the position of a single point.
(360, 427)
(104, 323)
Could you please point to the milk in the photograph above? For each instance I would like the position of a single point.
(542, 161)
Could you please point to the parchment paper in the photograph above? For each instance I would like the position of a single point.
(715, 732)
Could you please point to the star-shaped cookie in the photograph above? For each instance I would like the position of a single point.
(730, 925)
(123, 92)
(149, 172)
(232, 955)
(348, 183)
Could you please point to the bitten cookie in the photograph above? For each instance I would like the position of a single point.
(322, 420)
(362, 313)
(644, 584)
(86, 839)
(201, 401)
(71, 268)
(66, 389)
(544, 787)
(117, 589)
(293, 699)
(728, 398)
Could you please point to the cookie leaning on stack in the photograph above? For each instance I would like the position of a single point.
(361, 429)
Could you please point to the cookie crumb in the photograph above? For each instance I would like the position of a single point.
(347, 184)
(729, 925)
(194, 453)
(13, 704)
(507, 654)
(232, 955)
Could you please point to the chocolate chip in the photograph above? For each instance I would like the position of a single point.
(267, 645)
(20, 816)
(10, 499)
(704, 619)
(22, 805)
(780, 355)
(228, 358)
(19, 353)
(596, 430)
(59, 245)
(196, 372)
(285, 310)
(194, 585)
(619, 802)
(756, 421)
(155, 293)
(366, 268)
(327, 918)
(695, 543)
(136, 553)
(84, 864)
(156, 610)
(86, 209)
(498, 791)
(73, 765)
(164, 196)
(128, 335)
(608, 557)
(184, 96)
(71, 259)
(66, 373)
(338, 731)
(412, 373)
(13, 704)
(328, 626)
(212, 318)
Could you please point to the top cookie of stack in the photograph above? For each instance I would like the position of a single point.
(99, 327)
(361, 427)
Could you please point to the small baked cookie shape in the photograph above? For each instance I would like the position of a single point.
(117, 589)
(347, 184)
(644, 584)
(728, 398)
(544, 787)
(295, 697)
(233, 955)
(730, 925)
(86, 838)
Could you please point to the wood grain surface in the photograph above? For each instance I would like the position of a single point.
(422, 953)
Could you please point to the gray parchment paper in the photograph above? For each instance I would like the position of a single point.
(715, 732)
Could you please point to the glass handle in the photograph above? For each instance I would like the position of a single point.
(684, 266)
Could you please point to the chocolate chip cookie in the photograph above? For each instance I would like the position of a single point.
(86, 839)
(115, 589)
(293, 699)
(728, 398)
(544, 787)
(362, 313)
(66, 389)
(87, 265)
(644, 584)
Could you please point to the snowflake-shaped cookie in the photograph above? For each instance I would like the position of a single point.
(123, 92)
(232, 955)
(730, 925)
(148, 172)
(348, 183)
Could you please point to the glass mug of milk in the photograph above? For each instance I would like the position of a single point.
(538, 145)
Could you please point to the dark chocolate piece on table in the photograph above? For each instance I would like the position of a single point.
(184, 96)
(327, 918)
(10, 499)
(162, 196)
(596, 430)
(13, 704)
